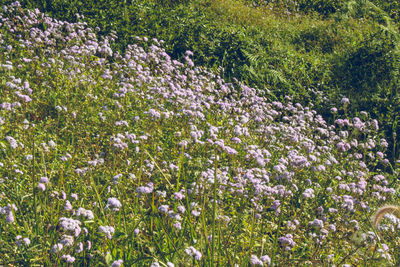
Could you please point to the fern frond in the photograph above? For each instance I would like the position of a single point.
(253, 58)
(275, 76)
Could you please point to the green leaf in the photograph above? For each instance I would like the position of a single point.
(108, 258)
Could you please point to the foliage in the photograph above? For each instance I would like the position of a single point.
(391, 7)
(322, 7)
(369, 71)
(370, 65)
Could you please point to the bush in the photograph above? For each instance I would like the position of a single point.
(322, 7)
(320, 39)
(369, 71)
(391, 7)
(370, 65)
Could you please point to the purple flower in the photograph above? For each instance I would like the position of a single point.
(266, 259)
(308, 193)
(44, 180)
(197, 255)
(332, 227)
(179, 196)
(67, 205)
(275, 205)
(181, 209)
(108, 230)
(117, 263)
(12, 142)
(177, 225)
(56, 248)
(67, 241)
(345, 100)
(120, 123)
(25, 241)
(116, 178)
(41, 186)
(69, 224)
(9, 214)
(254, 260)
(317, 223)
(79, 249)
(191, 251)
(375, 124)
(85, 213)
(163, 209)
(195, 213)
(113, 203)
(287, 240)
(145, 189)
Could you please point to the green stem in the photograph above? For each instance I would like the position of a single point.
(97, 195)
(276, 237)
(180, 169)
(34, 182)
(214, 207)
(251, 234)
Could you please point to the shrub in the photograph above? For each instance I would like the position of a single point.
(370, 65)
(323, 7)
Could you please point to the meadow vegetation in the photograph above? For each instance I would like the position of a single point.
(198, 133)
(314, 51)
